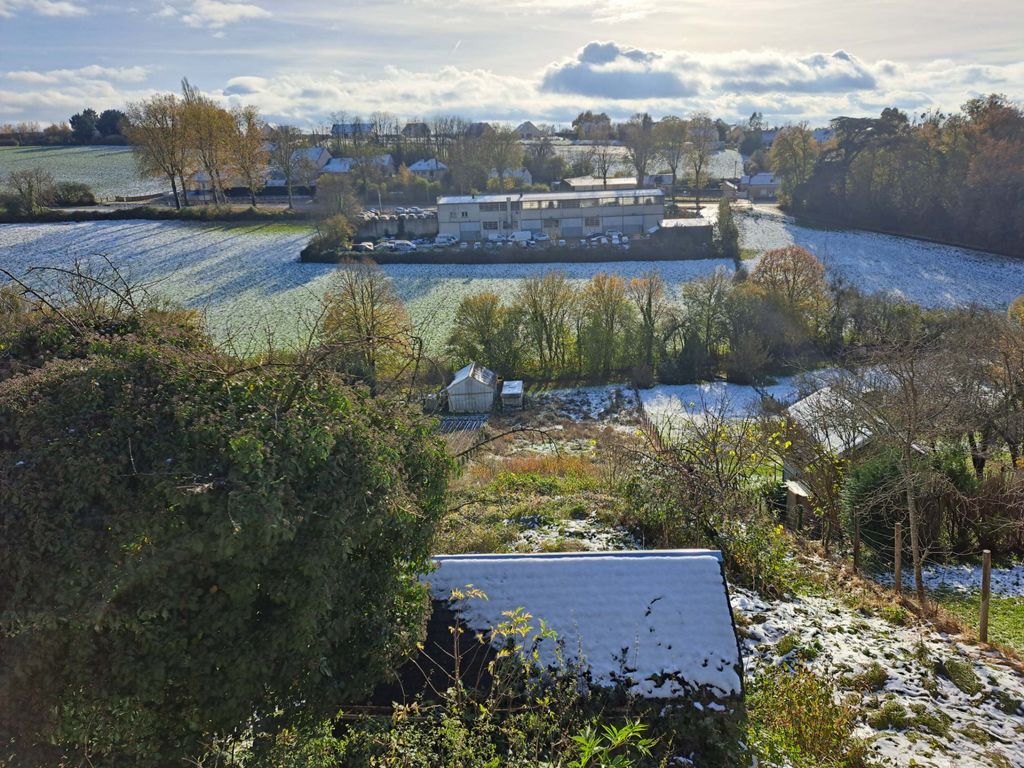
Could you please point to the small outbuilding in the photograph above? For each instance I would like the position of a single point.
(472, 390)
(512, 395)
(657, 623)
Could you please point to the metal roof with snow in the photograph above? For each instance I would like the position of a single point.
(476, 372)
(657, 622)
(432, 164)
(541, 196)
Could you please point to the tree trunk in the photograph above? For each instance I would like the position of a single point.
(915, 543)
(184, 190)
(174, 189)
(290, 204)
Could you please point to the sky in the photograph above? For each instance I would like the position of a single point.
(308, 61)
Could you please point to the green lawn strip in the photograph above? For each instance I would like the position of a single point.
(1005, 616)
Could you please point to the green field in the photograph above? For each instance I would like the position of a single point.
(109, 171)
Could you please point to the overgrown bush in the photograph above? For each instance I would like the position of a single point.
(195, 549)
(796, 720)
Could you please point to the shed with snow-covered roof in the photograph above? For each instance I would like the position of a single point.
(656, 623)
(472, 390)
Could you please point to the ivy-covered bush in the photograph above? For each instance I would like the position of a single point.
(194, 550)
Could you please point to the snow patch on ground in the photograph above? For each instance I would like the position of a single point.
(845, 642)
(598, 403)
(589, 533)
(964, 579)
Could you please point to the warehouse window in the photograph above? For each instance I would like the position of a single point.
(592, 221)
(493, 206)
(490, 225)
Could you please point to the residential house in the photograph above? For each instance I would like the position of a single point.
(385, 164)
(528, 131)
(760, 186)
(518, 177)
(416, 131)
(352, 130)
(476, 130)
(431, 170)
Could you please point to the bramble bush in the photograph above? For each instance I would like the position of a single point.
(196, 550)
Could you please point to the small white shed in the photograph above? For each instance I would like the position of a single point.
(472, 390)
(512, 394)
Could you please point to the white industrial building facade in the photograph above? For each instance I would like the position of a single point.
(559, 214)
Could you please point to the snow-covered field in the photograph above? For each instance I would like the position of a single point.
(965, 579)
(671, 406)
(930, 274)
(243, 275)
(948, 727)
(249, 275)
(109, 171)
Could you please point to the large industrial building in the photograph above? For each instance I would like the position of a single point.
(558, 214)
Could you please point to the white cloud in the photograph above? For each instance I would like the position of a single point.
(92, 72)
(9, 8)
(212, 14)
(608, 76)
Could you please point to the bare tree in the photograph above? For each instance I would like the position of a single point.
(647, 293)
(156, 131)
(208, 129)
(638, 137)
(670, 136)
(287, 158)
(702, 135)
(249, 155)
(32, 188)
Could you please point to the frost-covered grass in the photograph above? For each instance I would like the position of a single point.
(109, 171)
(246, 276)
(926, 696)
(671, 406)
(927, 273)
(965, 579)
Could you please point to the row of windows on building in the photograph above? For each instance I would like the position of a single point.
(491, 226)
(590, 202)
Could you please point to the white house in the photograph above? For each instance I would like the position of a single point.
(431, 170)
(657, 623)
(311, 162)
(528, 130)
(472, 390)
(383, 163)
(520, 177)
(760, 186)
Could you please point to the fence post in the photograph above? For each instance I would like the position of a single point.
(986, 585)
(898, 566)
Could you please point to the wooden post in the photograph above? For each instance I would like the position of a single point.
(898, 566)
(986, 585)
(856, 542)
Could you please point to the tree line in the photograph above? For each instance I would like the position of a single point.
(952, 177)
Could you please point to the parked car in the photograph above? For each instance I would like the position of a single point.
(561, 243)
(403, 246)
(542, 237)
(445, 240)
(362, 247)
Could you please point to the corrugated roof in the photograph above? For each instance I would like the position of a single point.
(523, 196)
(474, 371)
(658, 622)
(825, 416)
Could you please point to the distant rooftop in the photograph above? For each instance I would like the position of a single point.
(521, 196)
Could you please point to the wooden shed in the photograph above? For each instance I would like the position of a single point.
(472, 390)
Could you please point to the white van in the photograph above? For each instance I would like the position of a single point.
(521, 236)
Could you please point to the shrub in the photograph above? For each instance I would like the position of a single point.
(70, 193)
(794, 719)
(188, 556)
